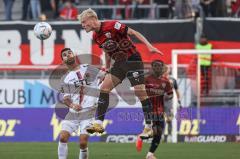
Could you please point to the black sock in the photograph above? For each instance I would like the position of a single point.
(103, 103)
(155, 143)
(147, 107)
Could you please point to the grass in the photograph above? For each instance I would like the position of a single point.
(122, 151)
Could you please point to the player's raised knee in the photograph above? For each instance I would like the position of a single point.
(64, 136)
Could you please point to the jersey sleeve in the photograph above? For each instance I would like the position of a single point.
(120, 27)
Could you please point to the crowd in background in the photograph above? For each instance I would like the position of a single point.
(44, 9)
(133, 9)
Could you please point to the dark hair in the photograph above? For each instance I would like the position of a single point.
(63, 50)
(160, 61)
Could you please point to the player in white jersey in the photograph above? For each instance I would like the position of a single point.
(78, 87)
(168, 105)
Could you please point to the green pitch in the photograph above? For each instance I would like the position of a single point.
(121, 151)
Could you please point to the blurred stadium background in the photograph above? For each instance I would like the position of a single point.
(210, 113)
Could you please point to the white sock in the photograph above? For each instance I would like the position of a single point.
(83, 153)
(62, 150)
(149, 154)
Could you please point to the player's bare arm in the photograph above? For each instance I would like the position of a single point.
(68, 102)
(140, 37)
(108, 61)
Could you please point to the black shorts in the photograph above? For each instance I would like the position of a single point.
(158, 124)
(132, 68)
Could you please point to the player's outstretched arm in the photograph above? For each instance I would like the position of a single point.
(140, 37)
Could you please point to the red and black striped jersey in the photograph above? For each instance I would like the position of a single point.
(156, 89)
(114, 40)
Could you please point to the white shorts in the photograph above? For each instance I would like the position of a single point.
(73, 125)
(81, 120)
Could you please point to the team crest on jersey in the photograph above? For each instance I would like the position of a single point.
(117, 25)
(108, 35)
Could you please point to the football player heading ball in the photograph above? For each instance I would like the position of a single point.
(113, 37)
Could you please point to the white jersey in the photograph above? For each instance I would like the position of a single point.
(82, 86)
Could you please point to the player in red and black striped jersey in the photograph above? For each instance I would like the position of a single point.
(113, 37)
(157, 86)
(158, 89)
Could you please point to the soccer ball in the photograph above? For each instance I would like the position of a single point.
(42, 30)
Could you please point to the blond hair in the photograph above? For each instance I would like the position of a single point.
(87, 13)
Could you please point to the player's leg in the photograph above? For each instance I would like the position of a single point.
(83, 139)
(108, 84)
(158, 127)
(83, 144)
(147, 110)
(136, 78)
(62, 145)
(170, 129)
(165, 132)
(110, 81)
(68, 127)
